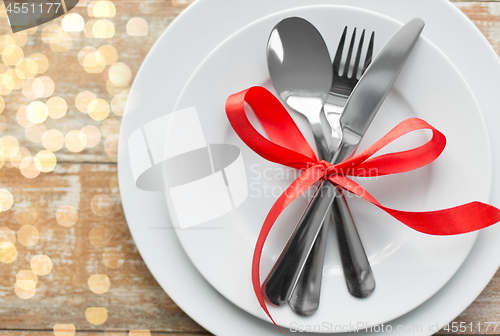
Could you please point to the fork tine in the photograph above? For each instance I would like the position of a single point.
(358, 56)
(369, 53)
(338, 55)
(349, 54)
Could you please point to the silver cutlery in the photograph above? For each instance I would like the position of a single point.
(305, 296)
(301, 71)
(359, 111)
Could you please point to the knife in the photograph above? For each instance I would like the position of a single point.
(359, 111)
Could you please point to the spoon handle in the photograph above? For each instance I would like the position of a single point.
(282, 279)
(357, 270)
(306, 295)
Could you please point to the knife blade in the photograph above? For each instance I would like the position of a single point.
(360, 109)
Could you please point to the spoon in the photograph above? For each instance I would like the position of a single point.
(301, 72)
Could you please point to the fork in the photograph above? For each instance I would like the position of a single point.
(357, 271)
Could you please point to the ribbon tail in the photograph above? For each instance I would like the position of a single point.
(301, 184)
(460, 219)
(464, 218)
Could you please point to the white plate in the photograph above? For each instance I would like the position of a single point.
(409, 267)
(148, 219)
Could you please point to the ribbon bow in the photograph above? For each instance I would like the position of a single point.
(287, 146)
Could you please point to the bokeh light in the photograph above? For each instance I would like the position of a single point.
(83, 99)
(37, 112)
(57, 107)
(28, 235)
(67, 216)
(53, 140)
(6, 199)
(22, 293)
(29, 167)
(12, 55)
(75, 141)
(101, 9)
(96, 315)
(99, 236)
(26, 279)
(42, 62)
(43, 86)
(45, 161)
(101, 28)
(84, 52)
(98, 109)
(41, 265)
(22, 118)
(94, 62)
(99, 283)
(8, 252)
(7, 235)
(6, 84)
(120, 74)
(64, 330)
(73, 22)
(92, 134)
(137, 27)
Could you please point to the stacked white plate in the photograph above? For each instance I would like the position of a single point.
(216, 48)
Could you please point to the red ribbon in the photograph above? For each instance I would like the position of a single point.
(287, 146)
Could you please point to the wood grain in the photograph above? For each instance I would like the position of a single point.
(134, 300)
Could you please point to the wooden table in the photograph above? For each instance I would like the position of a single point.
(67, 224)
